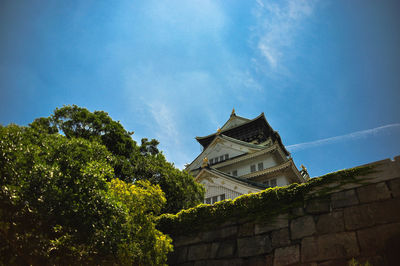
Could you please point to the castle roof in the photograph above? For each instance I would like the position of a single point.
(244, 129)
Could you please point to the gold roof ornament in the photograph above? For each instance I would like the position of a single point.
(205, 162)
(303, 167)
(233, 112)
(218, 131)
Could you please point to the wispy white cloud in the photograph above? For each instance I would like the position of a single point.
(181, 70)
(197, 16)
(278, 24)
(351, 136)
(163, 104)
(165, 123)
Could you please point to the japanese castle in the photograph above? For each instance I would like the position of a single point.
(243, 156)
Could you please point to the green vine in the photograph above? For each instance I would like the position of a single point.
(264, 205)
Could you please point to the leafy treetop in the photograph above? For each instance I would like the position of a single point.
(132, 162)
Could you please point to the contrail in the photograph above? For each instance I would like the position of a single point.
(354, 135)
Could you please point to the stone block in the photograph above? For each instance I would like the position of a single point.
(246, 229)
(222, 233)
(287, 255)
(199, 252)
(280, 238)
(224, 262)
(259, 261)
(373, 192)
(229, 222)
(187, 240)
(386, 211)
(178, 256)
(383, 170)
(228, 232)
(232, 262)
(330, 223)
(302, 226)
(277, 222)
(376, 240)
(329, 247)
(209, 236)
(226, 249)
(252, 246)
(214, 249)
(186, 264)
(392, 247)
(365, 215)
(201, 263)
(344, 198)
(360, 216)
(318, 205)
(297, 212)
(394, 186)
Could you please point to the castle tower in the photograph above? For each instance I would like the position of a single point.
(243, 156)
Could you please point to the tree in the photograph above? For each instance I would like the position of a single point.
(149, 147)
(132, 162)
(60, 204)
(141, 202)
(180, 189)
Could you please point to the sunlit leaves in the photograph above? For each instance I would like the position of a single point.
(131, 162)
(144, 243)
(59, 204)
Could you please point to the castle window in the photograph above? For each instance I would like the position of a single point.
(260, 166)
(252, 168)
(211, 161)
(214, 199)
(221, 158)
(216, 159)
(234, 172)
(226, 156)
(270, 183)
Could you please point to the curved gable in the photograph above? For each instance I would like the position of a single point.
(221, 146)
(211, 178)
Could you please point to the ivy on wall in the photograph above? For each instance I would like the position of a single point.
(264, 205)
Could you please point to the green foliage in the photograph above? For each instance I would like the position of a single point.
(131, 162)
(149, 147)
(144, 244)
(60, 204)
(179, 187)
(263, 206)
(77, 122)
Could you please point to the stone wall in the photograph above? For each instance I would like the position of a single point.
(360, 220)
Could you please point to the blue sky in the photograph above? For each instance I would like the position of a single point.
(325, 73)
